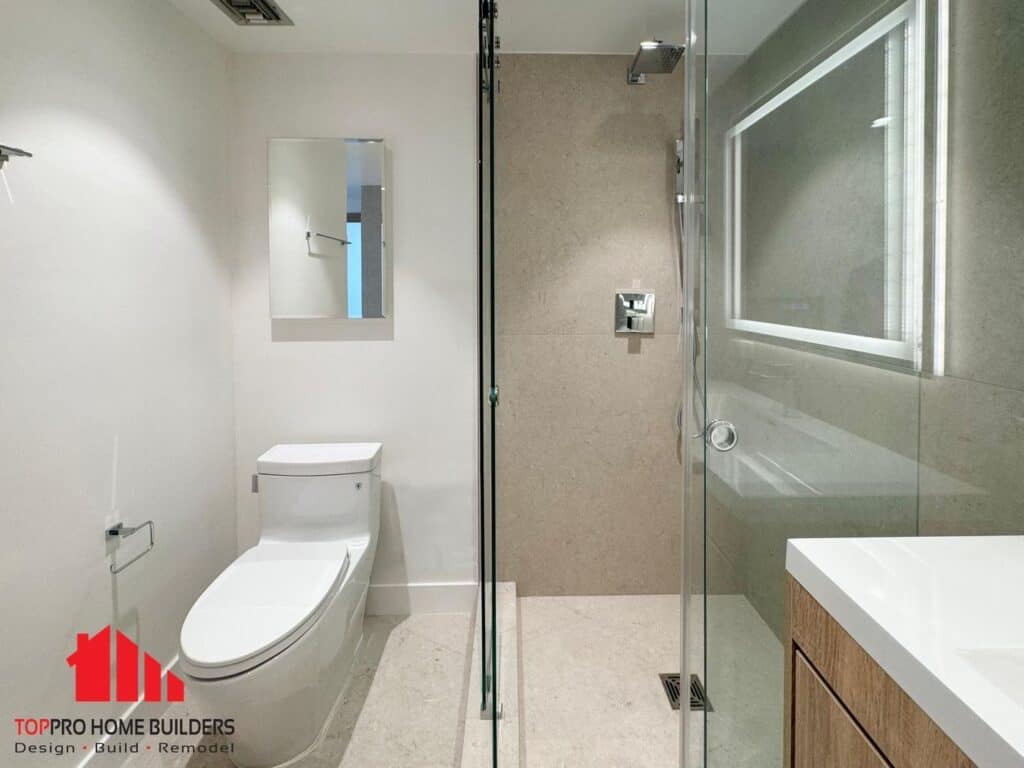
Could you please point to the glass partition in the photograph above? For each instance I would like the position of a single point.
(817, 225)
(858, 331)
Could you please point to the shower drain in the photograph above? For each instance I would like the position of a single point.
(698, 696)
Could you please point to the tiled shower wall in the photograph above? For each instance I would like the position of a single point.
(972, 419)
(588, 469)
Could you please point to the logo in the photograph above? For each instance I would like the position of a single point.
(94, 659)
(92, 663)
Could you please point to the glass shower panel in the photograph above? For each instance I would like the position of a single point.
(693, 415)
(487, 643)
(815, 246)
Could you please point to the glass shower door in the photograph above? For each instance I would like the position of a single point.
(488, 641)
(813, 127)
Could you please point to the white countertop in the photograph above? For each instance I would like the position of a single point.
(944, 617)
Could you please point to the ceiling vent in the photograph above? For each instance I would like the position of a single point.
(253, 13)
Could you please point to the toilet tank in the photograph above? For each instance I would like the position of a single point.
(321, 490)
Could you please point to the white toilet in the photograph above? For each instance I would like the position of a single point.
(271, 641)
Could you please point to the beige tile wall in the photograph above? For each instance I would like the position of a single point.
(972, 420)
(588, 472)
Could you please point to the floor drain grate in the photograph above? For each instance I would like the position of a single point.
(698, 697)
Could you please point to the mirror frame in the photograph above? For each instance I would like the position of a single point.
(904, 313)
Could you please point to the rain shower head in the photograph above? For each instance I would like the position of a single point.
(654, 58)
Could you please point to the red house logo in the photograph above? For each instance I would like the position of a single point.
(92, 663)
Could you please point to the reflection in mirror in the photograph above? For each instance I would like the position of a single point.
(327, 224)
(822, 203)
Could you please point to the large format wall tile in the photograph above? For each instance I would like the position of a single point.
(986, 206)
(585, 177)
(588, 476)
(975, 433)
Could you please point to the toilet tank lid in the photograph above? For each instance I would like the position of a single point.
(310, 459)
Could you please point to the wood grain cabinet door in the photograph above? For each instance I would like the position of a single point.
(824, 734)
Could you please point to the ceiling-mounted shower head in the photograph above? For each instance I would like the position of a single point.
(654, 58)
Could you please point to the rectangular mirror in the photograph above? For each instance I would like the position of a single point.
(823, 199)
(328, 251)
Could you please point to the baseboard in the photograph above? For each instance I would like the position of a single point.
(140, 708)
(426, 597)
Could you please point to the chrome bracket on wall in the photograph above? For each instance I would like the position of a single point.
(489, 711)
(121, 532)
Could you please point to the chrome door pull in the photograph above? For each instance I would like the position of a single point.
(721, 435)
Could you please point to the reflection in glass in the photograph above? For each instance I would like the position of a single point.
(816, 149)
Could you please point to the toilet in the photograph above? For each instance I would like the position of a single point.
(271, 641)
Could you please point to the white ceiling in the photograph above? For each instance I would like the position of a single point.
(449, 26)
(351, 26)
(587, 26)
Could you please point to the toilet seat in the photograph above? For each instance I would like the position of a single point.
(260, 605)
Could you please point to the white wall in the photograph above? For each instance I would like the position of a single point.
(414, 387)
(115, 374)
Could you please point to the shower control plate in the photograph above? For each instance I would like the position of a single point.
(634, 312)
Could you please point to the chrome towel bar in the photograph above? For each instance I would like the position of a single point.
(122, 531)
(311, 235)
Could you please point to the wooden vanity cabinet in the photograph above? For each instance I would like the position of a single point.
(842, 709)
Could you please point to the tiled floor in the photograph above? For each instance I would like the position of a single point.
(592, 697)
(403, 708)
(745, 672)
(591, 692)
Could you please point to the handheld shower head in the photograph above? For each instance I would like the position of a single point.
(654, 57)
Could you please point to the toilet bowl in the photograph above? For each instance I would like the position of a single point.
(271, 641)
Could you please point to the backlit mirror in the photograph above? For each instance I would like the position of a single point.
(823, 200)
(328, 252)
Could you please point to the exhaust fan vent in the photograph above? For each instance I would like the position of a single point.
(264, 13)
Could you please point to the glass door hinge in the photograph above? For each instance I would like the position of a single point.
(493, 397)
